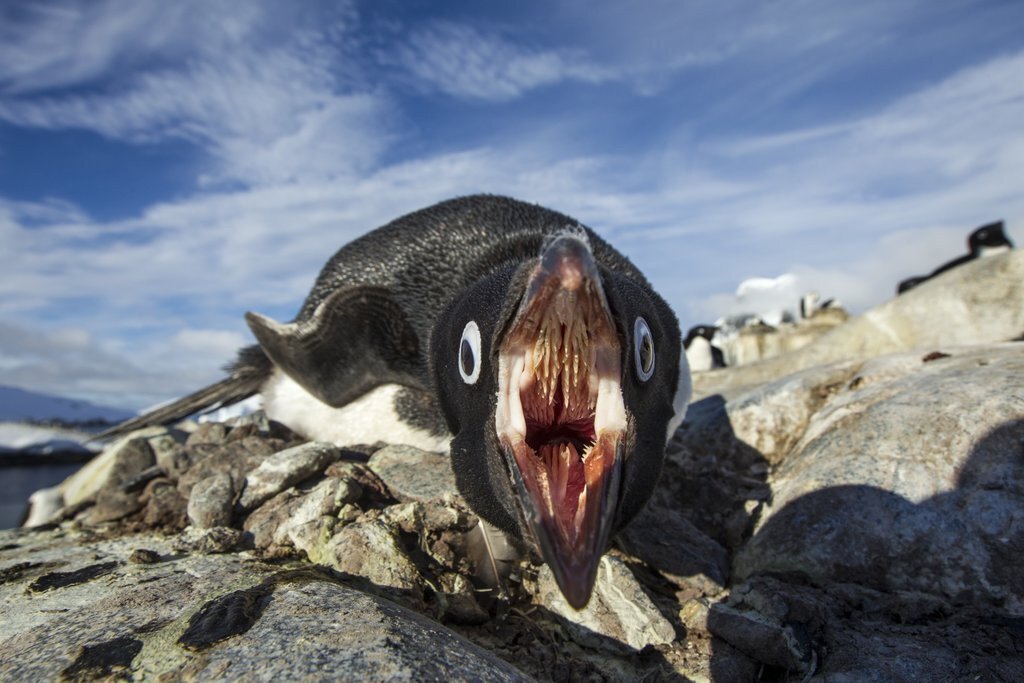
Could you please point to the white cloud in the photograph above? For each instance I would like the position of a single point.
(269, 103)
(459, 60)
(73, 362)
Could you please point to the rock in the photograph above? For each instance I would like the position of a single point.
(237, 458)
(144, 556)
(115, 500)
(761, 637)
(970, 304)
(285, 468)
(460, 603)
(218, 539)
(619, 617)
(665, 540)
(164, 508)
(131, 621)
(911, 480)
(414, 475)
(302, 519)
(867, 635)
(84, 484)
(369, 550)
(207, 433)
(212, 501)
(353, 636)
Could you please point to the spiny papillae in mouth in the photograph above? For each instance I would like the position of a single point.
(573, 360)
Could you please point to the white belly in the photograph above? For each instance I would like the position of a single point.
(369, 419)
(699, 355)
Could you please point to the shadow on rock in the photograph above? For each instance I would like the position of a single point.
(711, 491)
(888, 588)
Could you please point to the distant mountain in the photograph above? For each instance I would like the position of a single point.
(19, 405)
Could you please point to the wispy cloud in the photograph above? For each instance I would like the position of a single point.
(460, 60)
(267, 102)
(73, 362)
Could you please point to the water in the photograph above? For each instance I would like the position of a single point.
(19, 481)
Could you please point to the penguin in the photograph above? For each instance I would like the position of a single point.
(508, 334)
(701, 353)
(988, 240)
(811, 303)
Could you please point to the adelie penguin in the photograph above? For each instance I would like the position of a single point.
(988, 240)
(505, 332)
(701, 354)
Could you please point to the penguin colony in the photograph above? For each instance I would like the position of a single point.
(503, 331)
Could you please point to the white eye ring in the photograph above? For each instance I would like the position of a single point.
(469, 353)
(643, 350)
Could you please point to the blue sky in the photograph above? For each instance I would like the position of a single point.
(165, 167)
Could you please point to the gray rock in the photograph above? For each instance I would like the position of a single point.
(459, 600)
(757, 342)
(212, 501)
(414, 475)
(212, 541)
(909, 479)
(761, 637)
(335, 633)
(665, 540)
(147, 621)
(207, 433)
(86, 483)
(867, 635)
(369, 550)
(285, 468)
(237, 458)
(115, 500)
(302, 519)
(169, 451)
(619, 617)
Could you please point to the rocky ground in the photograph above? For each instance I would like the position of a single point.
(857, 520)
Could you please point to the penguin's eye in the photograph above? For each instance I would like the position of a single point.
(469, 353)
(643, 350)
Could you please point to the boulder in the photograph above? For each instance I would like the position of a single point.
(284, 468)
(888, 548)
(203, 617)
(414, 475)
(619, 616)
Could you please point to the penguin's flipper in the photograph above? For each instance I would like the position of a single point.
(245, 381)
(357, 339)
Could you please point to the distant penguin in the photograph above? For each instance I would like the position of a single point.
(811, 303)
(701, 354)
(509, 333)
(988, 240)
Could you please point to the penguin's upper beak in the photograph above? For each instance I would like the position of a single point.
(560, 415)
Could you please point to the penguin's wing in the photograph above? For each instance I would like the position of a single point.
(357, 339)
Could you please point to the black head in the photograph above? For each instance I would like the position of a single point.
(988, 236)
(561, 380)
(705, 331)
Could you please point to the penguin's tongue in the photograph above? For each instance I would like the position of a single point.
(560, 414)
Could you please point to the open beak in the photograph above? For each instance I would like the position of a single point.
(560, 415)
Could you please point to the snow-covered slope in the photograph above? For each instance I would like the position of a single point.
(19, 405)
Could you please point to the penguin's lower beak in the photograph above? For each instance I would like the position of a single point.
(560, 416)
